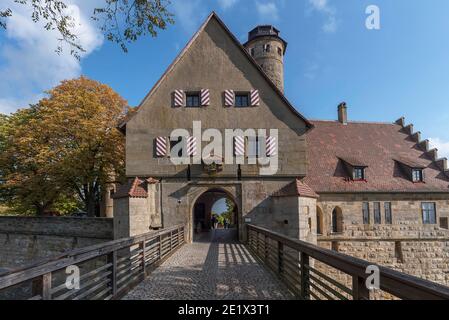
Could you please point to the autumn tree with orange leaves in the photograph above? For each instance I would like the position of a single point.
(66, 146)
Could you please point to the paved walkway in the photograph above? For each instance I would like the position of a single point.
(213, 268)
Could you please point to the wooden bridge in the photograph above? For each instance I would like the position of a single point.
(160, 265)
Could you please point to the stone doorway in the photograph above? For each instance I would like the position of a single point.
(203, 224)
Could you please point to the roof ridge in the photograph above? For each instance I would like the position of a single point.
(354, 122)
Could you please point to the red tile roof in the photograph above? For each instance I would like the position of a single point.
(133, 189)
(376, 145)
(296, 188)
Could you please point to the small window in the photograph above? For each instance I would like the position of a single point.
(280, 51)
(319, 221)
(417, 175)
(429, 214)
(252, 52)
(359, 173)
(241, 100)
(398, 252)
(193, 99)
(335, 246)
(337, 220)
(444, 223)
(365, 212)
(267, 48)
(377, 215)
(388, 215)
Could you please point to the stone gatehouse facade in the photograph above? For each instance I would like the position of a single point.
(372, 190)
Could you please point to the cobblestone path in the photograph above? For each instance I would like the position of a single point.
(213, 268)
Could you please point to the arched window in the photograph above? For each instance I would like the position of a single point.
(319, 221)
(337, 220)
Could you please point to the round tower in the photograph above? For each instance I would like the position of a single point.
(268, 49)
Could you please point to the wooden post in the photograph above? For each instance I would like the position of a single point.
(280, 257)
(160, 247)
(265, 246)
(46, 286)
(143, 247)
(112, 259)
(257, 243)
(305, 277)
(359, 288)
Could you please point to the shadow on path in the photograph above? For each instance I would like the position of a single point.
(214, 267)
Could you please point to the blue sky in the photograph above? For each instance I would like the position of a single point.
(400, 70)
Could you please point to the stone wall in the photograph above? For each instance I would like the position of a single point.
(27, 239)
(407, 245)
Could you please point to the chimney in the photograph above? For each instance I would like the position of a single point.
(343, 113)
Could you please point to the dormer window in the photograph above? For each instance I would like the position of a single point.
(355, 168)
(417, 175)
(412, 169)
(359, 173)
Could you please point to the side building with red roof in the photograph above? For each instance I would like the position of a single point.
(383, 194)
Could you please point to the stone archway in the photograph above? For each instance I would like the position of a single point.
(201, 210)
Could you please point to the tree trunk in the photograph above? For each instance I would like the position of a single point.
(91, 199)
(40, 210)
(91, 204)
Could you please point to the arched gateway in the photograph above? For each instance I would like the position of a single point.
(202, 223)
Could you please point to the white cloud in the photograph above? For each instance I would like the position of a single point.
(268, 11)
(226, 4)
(441, 145)
(29, 64)
(322, 6)
(189, 14)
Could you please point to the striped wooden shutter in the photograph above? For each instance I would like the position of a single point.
(161, 146)
(192, 149)
(205, 97)
(229, 97)
(239, 146)
(271, 146)
(179, 98)
(255, 98)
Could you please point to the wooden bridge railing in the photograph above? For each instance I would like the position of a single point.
(312, 272)
(107, 270)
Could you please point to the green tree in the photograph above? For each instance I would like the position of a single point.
(122, 21)
(65, 145)
(81, 116)
(29, 179)
(228, 214)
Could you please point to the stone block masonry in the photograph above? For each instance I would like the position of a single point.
(27, 239)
